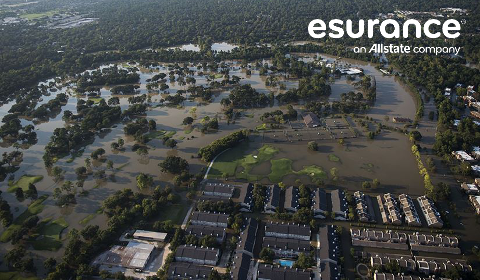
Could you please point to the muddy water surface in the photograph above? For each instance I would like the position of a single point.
(387, 158)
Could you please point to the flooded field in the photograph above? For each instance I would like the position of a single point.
(387, 158)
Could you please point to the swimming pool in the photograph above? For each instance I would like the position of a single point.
(286, 263)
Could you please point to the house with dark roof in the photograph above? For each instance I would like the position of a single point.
(272, 272)
(246, 242)
(182, 270)
(240, 268)
(339, 205)
(329, 244)
(201, 231)
(273, 199)
(287, 230)
(329, 271)
(291, 199)
(311, 120)
(209, 219)
(218, 189)
(197, 255)
(246, 197)
(212, 198)
(286, 248)
(320, 204)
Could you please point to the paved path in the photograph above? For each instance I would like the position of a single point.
(185, 221)
(211, 164)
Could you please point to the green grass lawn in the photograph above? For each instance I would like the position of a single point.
(176, 212)
(315, 172)
(280, 168)
(368, 166)
(235, 163)
(90, 217)
(334, 158)
(34, 16)
(170, 133)
(119, 168)
(265, 153)
(95, 100)
(188, 129)
(229, 162)
(263, 126)
(14, 275)
(159, 134)
(156, 134)
(23, 182)
(33, 209)
(49, 235)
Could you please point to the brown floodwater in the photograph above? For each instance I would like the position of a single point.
(387, 158)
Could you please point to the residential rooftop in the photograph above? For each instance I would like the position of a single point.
(195, 254)
(406, 262)
(320, 202)
(201, 231)
(329, 271)
(273, 198)
(430, 212)
(287, 244)
(240, 267)
(207, 218)
(409, 210)
(183, 270)
(287, 230)
(311, 120)
(246, 242)
(389, 209)
(219, 189)
(291, 198)
(329, 244)
(434, 243)
(272, 272)
(379, 239)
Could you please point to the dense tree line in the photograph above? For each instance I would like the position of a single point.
(208, 152)
(26, 59)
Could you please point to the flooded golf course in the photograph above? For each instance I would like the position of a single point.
(387, 158)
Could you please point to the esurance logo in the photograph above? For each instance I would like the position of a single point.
(318, 28)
